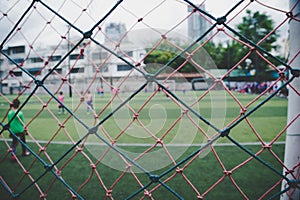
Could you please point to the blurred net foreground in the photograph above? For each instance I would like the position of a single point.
(147, 133)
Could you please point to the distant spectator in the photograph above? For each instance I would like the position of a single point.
(89, 101)
(100, 91)
(61, 99)
(183, 89)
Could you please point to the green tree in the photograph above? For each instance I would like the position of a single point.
(217, 53)
(164, 54)
(254, 26)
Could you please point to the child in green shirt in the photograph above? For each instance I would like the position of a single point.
(16, 126)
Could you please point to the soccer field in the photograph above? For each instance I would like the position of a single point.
(253, 178)
(43, 122)
(206, 172)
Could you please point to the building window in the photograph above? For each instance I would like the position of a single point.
(99, 55)
(125, 53)
(16, 60)
(104, 68)
(58, 70)
(76, 56)
(77, 70)
(16, 50)
(103, 55)
(129, 53)
(123, 68)
(35, 71)
(18, 73)
(36, 60)
(54, 58)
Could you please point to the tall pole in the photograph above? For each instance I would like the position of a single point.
(255, 60)
(292, 146)
(69, 78)
(0, 80)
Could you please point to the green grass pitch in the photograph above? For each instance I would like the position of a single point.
(253, 178)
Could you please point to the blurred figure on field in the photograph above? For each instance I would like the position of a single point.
(17, 128)
(183, 89)
(61, 99)
(89, 102)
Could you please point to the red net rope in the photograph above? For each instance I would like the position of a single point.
(146, 134)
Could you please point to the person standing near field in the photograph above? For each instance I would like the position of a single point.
(61, 98)
(17, 127)
(89, 102)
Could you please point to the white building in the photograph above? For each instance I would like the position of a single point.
(197, 25)
(81, 65)
(115, 32)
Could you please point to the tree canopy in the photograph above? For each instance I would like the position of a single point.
(252, 30)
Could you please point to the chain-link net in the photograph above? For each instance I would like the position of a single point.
(120, 104)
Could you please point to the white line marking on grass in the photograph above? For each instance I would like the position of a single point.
(148, 145)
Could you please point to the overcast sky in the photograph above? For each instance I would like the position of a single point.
(162, 14)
